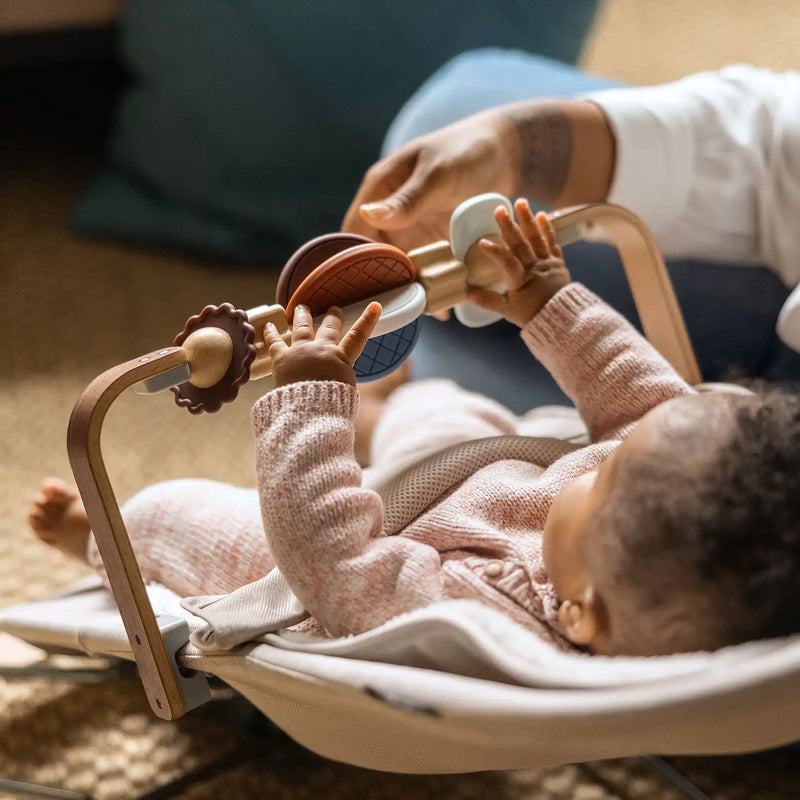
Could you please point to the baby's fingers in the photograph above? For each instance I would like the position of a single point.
(546, 227)
(272, 339)
(302, 325)
(491, 301)
(516, 242)
(500, 254)
(530, 228)
(355, 339)
(330, 329)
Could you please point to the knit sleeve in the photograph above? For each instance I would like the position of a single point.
(607, 368)
(324, 530)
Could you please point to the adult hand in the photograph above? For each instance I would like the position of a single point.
(324, 355)
(408, 197)
(554, 152)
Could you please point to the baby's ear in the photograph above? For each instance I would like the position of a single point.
(583, 620)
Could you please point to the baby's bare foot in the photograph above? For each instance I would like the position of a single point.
(58, 518)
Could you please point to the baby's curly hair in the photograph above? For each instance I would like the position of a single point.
(703, 532)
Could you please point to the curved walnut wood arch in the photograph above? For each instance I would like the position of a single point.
(157, 668)
(172, 694)
(647, 276)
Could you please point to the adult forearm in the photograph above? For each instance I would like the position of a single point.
(563, 151)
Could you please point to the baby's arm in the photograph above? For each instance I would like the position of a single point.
(607, 368)
(610, 371)
(324, 530)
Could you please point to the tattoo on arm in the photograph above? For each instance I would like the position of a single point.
(545, 150)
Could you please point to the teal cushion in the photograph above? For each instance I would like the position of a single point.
(249, 125)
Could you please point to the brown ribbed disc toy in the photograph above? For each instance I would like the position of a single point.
(354, 274)
(242, 335)
(308, 257)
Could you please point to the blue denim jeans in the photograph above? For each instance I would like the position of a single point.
(730, 311)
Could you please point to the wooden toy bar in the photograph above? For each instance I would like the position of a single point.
(222, 347)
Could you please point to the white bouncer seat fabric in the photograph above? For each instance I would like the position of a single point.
(457, 687)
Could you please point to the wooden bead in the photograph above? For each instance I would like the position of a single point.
(209, 352)
(258, 317)
(442, 276)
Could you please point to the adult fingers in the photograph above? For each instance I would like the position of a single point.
(302, 325)
(408, 203)
(380, 182)
(500, 254)
(330, 329)
(354, 340)
(530, 228)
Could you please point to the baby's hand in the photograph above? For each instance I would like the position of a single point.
(324, 356)
(534, 267)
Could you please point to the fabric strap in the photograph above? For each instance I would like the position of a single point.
(264, 605)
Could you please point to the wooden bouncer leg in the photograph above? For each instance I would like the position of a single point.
(647, 276)
(154, 641)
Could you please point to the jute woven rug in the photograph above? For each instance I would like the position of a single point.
(69, 309)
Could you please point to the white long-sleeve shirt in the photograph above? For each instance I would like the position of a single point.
(711, 163)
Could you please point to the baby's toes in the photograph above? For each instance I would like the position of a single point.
(40, 519)
(47, 508)
(58, 493)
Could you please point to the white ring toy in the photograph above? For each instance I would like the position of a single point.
(789, 321)
(400, 306)
(471, 221)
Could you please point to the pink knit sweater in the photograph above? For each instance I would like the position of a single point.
(479, 540)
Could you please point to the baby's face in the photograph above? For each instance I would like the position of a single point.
(570, 531)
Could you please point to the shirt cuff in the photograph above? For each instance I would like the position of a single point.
(654, 152)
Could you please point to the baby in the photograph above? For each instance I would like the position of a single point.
(676, 529)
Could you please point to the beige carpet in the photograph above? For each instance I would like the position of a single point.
(653, 41)
(70, 308)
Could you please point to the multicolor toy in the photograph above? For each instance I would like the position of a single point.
(222, 347)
